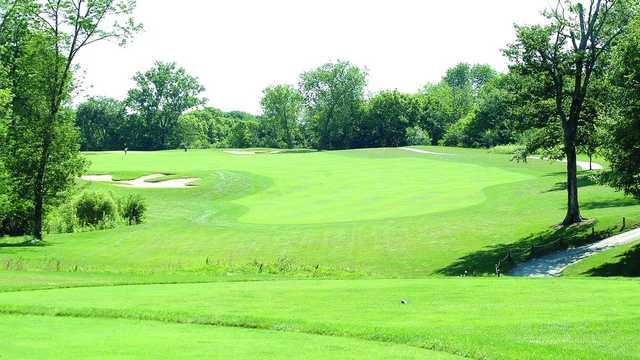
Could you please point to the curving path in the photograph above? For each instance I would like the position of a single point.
(584, 165)
(422, 151)
(555, 263)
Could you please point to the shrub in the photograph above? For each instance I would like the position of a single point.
(62, 220)
(506, 149)
(94, 209)
(418, 136)
(133, 208)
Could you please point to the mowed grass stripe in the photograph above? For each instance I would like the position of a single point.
(410, 214)
(480, 318)
(40, 337)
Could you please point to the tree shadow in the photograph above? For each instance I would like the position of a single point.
(628, 265)
(591, 205)
(484, 262)
(583, 181)
(24, 244)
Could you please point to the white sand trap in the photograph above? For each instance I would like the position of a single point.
(584, 165)
(555, 263)
(98, 178)
(422, 151)
(240, 152)
(143, 183)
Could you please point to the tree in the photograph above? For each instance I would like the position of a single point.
(565, 55)
(43, 39)
(191, 131)
(333, 94)
(439, 111)
(102, 123)
(623, 128)
(282, 105)
(161, 95)
(388, 116)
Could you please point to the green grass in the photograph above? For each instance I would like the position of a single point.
(380, 213)
(311, 253)
(478, 318)
(33, 337)
(621, 261)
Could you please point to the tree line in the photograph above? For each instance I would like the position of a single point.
(573, 86)
(327, 110)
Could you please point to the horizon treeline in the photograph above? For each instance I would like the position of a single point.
(327, 110)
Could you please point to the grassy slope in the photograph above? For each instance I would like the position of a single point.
(126, 339)
(382, 212)
(494, 318)
(621, 261)
(386, 213)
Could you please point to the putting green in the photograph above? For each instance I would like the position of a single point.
(331, 189)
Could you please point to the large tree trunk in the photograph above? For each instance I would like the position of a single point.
(573, 206)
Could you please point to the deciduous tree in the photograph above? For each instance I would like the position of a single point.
(565, 55)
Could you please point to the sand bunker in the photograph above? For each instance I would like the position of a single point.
(584, 165)
(240, 152)
(422, 151)
(143, 182)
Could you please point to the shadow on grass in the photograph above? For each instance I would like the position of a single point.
(583, 181)
(24, 244)
(590, 205)
(628, 265)
(483, 262)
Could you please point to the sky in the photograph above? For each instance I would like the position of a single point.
(236, 48)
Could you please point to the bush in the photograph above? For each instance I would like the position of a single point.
(506, 149)
(456, 135)
(133, 208)
(62, 220)
(94, 209)
(418, 136)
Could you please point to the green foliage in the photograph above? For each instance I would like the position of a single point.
(511, 149)
(417, 136)
(161, 95)
(103, 124)
(132, 208)
(191, 131)
(282, 107)
(64, 219)
(387, 116)
(333, 94)
(457, 134)
(96, 210)
(623, 126)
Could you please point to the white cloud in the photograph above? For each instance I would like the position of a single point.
(238, 47)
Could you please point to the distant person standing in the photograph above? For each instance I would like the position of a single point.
(184, 146)
(126, 149)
